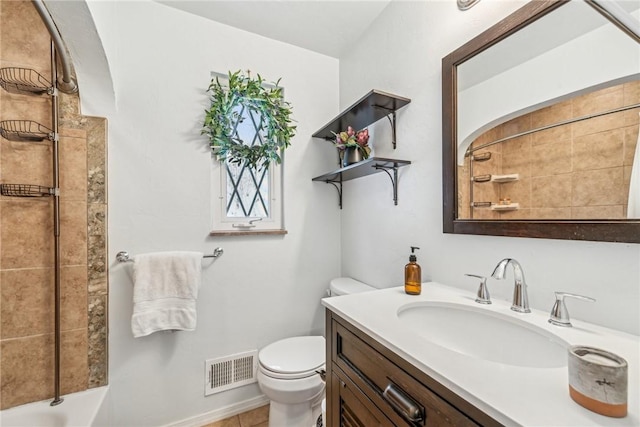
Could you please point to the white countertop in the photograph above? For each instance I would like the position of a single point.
(512, 395)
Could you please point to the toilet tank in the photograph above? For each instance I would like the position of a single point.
(346, 286)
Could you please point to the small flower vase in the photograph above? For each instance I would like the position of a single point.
(351, 155)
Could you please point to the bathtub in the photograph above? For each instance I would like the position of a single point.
(89, 408)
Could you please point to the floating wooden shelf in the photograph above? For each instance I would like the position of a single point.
(372, 107)
(365, 167)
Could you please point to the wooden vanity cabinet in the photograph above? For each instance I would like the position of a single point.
(369, 385)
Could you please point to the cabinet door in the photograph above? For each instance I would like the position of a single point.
(354, 409)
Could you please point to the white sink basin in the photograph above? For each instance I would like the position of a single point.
(484, 334)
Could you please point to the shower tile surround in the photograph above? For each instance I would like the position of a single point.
(576, 171)
(26, 233)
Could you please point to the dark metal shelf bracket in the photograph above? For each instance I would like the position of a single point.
(394, 179)
(338, 185)
(391, 116)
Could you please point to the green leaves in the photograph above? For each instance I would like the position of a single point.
(249, 95)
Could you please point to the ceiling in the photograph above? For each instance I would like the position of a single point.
(328, 27)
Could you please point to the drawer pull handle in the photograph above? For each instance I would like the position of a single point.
(403, 403)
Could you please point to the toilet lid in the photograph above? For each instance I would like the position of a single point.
(293, 355)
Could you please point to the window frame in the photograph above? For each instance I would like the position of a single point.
(226, 225)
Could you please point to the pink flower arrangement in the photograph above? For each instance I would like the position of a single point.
(351, 138)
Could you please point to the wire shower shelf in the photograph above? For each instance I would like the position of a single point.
(24, 81)
(25, 190)
(25, 131)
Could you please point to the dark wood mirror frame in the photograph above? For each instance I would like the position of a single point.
(595, 230)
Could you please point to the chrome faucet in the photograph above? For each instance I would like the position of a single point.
(520, 299)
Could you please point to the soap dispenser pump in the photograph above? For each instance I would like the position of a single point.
(413, 274)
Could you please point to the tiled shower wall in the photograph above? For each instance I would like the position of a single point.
(26, 232)
(575, 171)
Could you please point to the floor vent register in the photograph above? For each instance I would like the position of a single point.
(225, 373)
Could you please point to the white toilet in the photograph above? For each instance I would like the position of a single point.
(287, 371)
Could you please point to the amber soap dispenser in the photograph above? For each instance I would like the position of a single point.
(413, 274)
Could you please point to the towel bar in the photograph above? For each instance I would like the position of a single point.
(123, 256)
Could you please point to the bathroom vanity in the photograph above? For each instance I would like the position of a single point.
(440, 359)
(369, 385)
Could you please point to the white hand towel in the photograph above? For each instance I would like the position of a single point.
(165, 289)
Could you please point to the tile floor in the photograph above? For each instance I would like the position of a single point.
(258, 417)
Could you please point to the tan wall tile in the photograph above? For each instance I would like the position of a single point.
(26, 163)
(485, 213)
(73, 286)
(487, 137)
(23, 37)
(557, 135)
(522, 213)
(599, 124)
(601, 100)
(73, 169)
(463, 192)
(27, 108)
(516, 156)
(630, 142)
(72, 133)
(551, 159)
(73, 363)
(598, 151)
(598, 187)
(27, 370)
(26, 233)
(27, 367)
(551, 213)
(27, 298)
(515, 126)
(553, 114)
(518, 191)
(73, 233)
(597, 212)
(486, 192)
(28, 301)
(551, 191)
(632, 117)
(631, 92)
(626, 184)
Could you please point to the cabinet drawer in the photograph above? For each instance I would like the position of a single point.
(354, 408)
(405, 400)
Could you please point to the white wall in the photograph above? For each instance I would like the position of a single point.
(262, 288)
(401, 53)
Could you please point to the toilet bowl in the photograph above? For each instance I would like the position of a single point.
(288, 371)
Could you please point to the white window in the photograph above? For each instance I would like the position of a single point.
(246, 199)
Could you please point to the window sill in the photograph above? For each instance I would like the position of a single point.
(248, 233)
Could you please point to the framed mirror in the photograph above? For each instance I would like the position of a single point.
(540, 127)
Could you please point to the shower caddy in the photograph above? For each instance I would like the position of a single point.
(30, 82)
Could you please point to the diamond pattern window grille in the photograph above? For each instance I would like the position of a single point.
(247, 188)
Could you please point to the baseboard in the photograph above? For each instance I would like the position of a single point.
(222, 413)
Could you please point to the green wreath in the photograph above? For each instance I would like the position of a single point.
(220, 120)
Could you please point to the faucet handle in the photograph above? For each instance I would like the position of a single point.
(559, 313)
(483, 291)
